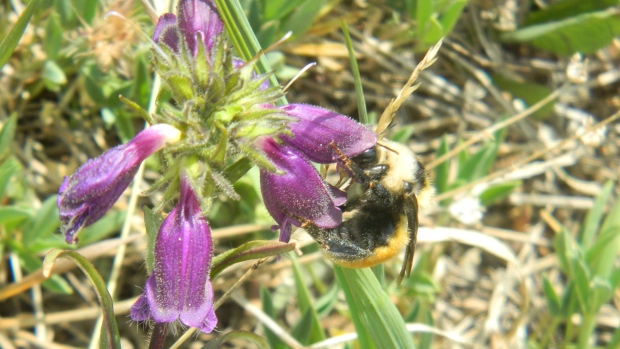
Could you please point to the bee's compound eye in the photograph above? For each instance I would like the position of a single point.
(408, 187)
(367, 156)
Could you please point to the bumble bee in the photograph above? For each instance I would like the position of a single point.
(388, 187)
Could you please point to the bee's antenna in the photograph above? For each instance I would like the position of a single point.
(386, 147)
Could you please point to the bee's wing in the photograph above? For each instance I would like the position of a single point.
(411, 210)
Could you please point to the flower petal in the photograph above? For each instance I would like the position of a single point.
(166, 31)
(318, 127)
(298, 192)
(199, 16)
(90, 192)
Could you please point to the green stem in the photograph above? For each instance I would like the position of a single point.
(585, 332)
(359, 93)
(568, 333)
(107, 306)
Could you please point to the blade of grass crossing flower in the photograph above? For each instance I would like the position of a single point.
(378, 323)
(12, 39)
(112, 338)
(310, 318)
(243, 38)
(357, 80)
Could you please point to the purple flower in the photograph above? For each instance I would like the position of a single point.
(166, 31)
(179, 287)
(90, 192)
(197, 18)
(318, 127)
(298, 192)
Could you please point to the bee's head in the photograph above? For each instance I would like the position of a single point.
(404, 174)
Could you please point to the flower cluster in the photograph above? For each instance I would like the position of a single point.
(222, 111)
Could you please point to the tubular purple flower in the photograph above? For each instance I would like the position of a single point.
(179, 287)
(166, 31)
(199, 17)
(90, 192)
(297, 193)
(318, 127)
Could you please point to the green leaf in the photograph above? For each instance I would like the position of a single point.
(259, 341)
(7, 169)
(566, 251)
(593, 218)
(266, 301)
(300, 329)
(585, 33)
(312, 325)
(582, 286)
(498, 192)
(14, 215)
(44, 223)
(603, 260)
(9, 43)
(423, 13)
(326, 303)
(376, 319)
(303, 17)
(479, 164)
(553, 301)
(7, 134)
(87, 9)
(566, 9)
(451, 15)
(53, 75)
(53, 36)
(248, 251)
(107, 305)
(433, 33)
(278, 9)
(600, 293)
(531, 93)
(152, 222)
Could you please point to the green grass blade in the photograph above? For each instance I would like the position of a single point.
(12, 39)
(357, 79)
(594, 216)
(376, 319)
(113, 340)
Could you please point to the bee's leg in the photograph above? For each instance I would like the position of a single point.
(351, 167)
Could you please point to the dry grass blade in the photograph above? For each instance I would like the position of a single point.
(390, 111)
